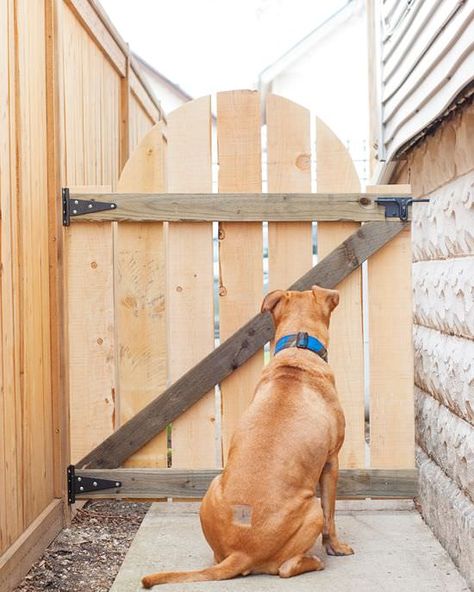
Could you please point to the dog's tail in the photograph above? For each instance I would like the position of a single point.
(231, 566)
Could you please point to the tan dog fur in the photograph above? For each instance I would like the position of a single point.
(261, 514)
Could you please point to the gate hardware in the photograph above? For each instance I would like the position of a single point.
(79, 207)
(397, 207)
(82, 484)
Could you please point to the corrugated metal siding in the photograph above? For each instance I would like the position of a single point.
(427, 59)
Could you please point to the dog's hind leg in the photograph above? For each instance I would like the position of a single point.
(300, 564)
(328, 484)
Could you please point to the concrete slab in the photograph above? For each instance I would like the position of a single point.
(394, 552)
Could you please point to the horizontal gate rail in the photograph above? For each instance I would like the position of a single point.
(236, 350)
(180, 483)
(229, 207)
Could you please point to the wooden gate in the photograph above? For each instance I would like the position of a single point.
(152, 282)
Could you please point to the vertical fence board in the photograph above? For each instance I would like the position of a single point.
(34, 267)
(240, 246)
(336, 173)
(290, 249)
(11, 487)
(392, 440)
(92, 142)
(190, 281)
(91, 355)
(140, 297)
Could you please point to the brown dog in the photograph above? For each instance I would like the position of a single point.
(261, 514)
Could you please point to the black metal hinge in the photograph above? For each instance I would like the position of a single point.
(397, 207)
(83, 484)
(79, 207)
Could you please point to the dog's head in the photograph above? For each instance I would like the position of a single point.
(308, 311)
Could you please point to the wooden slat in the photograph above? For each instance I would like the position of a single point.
(234, 352)
(54, 118)
(240, 285)
(96, 28)
(392, 439)
(16, 562)
(125, 115)
(177, 483)
(91, 343)
(35, 339)
(290, 248)
(11, 512)
(190, 281)
(140, 298)
(336, 172)
(139, 123)
(236, 207)
(92, 137)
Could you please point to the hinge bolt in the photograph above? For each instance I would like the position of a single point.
(117, 484)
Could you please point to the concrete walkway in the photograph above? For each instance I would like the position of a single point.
(394, 552)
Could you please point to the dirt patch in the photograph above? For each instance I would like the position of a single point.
(88, 555)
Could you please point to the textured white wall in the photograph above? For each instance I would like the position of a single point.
(442, 168)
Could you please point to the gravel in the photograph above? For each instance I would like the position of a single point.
(88, 555)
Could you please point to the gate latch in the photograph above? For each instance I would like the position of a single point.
(79, 207)
(397, 207)
(82, 484)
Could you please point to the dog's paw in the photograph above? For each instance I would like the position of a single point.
(338, 549)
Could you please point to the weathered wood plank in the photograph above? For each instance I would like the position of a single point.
(236, 207)
(353, 483)
(236, 350)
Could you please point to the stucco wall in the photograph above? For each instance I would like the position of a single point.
(442, 168)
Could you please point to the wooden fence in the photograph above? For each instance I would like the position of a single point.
(141, 298)
(72, 107)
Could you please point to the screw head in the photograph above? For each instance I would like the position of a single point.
(90, 206)
(79, 478)
(74, 211)
(81, 488)
(117, 484)
(76, 202)
(94, 483)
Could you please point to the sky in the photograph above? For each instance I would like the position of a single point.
(210, 45)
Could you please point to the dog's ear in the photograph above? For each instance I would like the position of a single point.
(327, 299)
(271, 300)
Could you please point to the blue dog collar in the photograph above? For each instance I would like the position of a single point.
(303, 341)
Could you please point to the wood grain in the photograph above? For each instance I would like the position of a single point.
(190, 281)
(233, 352)
(392, 426)
(336, 172)
(140, 298)
(240, 285)
(152, 484)
(290, 244)
(236, 207)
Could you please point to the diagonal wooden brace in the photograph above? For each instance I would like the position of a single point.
(234, 352)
